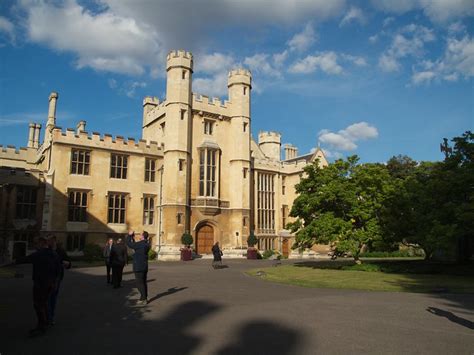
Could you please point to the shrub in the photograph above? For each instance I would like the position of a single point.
(267, 253)
(92, 252)
(187, 239)
(252, 240)
(152, 254)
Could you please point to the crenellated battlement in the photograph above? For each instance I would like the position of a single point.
(179, 58)
(105, 141)
(151, 100)
(269, 137)
(180, 53)
(240, 71)
(202, 103)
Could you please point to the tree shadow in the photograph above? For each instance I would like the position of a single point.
(263, 337)
(452, 317)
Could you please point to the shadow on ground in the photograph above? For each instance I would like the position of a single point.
(102, 320)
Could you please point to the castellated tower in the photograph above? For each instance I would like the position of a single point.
(176, 145)
(270, 144)
(240, 85)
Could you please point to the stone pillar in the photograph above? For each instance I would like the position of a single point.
(31, 133)
(36, 137)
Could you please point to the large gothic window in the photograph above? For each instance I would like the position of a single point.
(208, 169)
(265, 203)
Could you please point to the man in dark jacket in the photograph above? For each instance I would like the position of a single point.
(46, 269)
(65, 263)
(140, 262)
(106, 253)
(118, 259)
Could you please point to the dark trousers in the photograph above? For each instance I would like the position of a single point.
(52, 300)
(117, 271)
(140, 277)
(41, 294)
(108, 265)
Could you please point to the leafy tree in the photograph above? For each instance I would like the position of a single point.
(401, 166)
(340, 205)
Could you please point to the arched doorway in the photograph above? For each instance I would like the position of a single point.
(205, 240)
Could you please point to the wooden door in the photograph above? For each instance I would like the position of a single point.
(205, 240)
(284, 247)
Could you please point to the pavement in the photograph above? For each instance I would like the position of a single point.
(195, 309)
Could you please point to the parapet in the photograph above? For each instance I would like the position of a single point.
(106, 141)
(269, 137)
(239, 76)
(151, 100)
(179, 58)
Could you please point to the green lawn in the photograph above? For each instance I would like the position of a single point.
(308, 275)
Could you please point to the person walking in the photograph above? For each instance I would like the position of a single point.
(64, 263)
(217, 253)
(106, 253)
(46, 269)
(139, 243)
(118, 259)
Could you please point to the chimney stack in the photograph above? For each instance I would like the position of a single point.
(81, 126)
(31, 134)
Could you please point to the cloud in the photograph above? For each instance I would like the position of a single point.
(440, 11)
(358, 61)
(353, 15)
(387, 21)
(7, 27)
(214, 63)
(374, 38)
(325, 61)
(409, 41)
(103, 41)
(346, 139)
(259, 63)
(303, 40)
(127, 88)
(280, 58)
(457, 61)
(23, 118)
(213, 86)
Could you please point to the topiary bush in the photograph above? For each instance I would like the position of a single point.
(92, 252)
(152, 254)
(187, 239)
(252, 240)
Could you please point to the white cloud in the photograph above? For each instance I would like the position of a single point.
(130, 88)
(387, 21)
(326, 61)
(214, 63)
(303, 40)
(457, 61)
(6, 26)
(359, 61)
(374, 38)
(353, 15)
(409, 41)
(213, 86)
(440, 11)
(456, 27)
(103, 41)
(421, 77)
(259, 63)
(280, 58)
(346, 139)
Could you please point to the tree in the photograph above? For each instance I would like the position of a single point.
(340, 205)
(401, 166)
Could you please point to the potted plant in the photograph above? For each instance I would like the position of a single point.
(186, 252)
(251, 250)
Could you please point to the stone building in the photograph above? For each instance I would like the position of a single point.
(196, 169)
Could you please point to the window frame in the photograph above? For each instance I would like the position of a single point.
(77, 212)
(117, 214)
(77, 165)
(116, 168)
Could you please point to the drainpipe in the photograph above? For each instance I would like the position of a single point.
(161, 210)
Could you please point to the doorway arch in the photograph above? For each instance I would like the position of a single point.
(205, 239)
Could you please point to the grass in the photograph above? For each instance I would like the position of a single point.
(373, 277)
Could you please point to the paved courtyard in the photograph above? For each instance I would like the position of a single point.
(197, 310)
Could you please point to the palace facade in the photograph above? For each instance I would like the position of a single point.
(196, 169)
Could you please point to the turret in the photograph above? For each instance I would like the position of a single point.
(239, 84)
(149, 103)
(179, 67)
(270, 144)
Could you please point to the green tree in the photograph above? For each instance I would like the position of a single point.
(340, 205)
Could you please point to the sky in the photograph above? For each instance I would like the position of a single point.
(373, 78)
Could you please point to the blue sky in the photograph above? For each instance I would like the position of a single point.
(373, 78)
